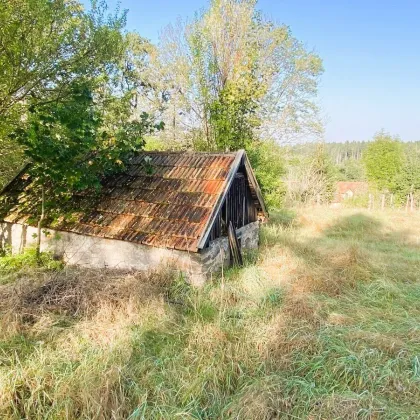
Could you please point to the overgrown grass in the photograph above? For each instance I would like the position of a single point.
(324, 323)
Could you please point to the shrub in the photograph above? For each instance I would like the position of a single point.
(13, 263)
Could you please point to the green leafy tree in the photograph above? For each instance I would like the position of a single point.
(48, 45)
(235, 79)
(326, 171)
(71, 148)
(269, 165)
(233, 118)
(407, 181)
(231, 71)
(45, 47)
(383, 159)
(351, 170)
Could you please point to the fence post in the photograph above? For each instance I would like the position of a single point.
(406, 204)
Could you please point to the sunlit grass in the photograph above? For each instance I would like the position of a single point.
(323, 323)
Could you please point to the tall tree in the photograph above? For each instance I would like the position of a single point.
(69, 95)
(312, 178)
(231, 71)
(45, 47)
(383, 159)
(407, 180)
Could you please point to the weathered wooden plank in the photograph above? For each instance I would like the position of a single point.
(235, 249)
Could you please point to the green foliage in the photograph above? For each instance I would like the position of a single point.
(52, 52)
(351, 170)
(48, 45)
(60, 139)
(383, 159)
(12, 264)
(153, 143)
(407, 181)
(325, 170)
(11, 156)
(71, 146)
(233, 117)
(232, 70)
(268, 163)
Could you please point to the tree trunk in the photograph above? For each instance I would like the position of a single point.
(41, 219)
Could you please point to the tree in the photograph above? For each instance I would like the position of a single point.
(407, 181)
(48, 45)
(383, 160)
(233, 118)
(312, 178)
(268, 162)
(231, 72)
(69, 95)
(71, 147)
(351, 170)
(45, 47)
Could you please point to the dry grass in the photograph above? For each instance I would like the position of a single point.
(323, 323)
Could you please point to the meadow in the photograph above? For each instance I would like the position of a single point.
(322, 323)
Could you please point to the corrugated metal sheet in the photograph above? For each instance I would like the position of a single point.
(162, 199)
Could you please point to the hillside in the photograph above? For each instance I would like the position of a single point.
(322, 323)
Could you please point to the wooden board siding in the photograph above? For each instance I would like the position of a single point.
(238, 208)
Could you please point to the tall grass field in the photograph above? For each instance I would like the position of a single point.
(322, 323)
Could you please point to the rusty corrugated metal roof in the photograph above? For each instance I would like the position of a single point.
(163, 199)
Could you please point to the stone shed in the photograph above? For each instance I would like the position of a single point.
(166, 208)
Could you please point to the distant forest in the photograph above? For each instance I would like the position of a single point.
(351, 150)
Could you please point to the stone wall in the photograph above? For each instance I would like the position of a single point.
(218, 254)
(89, 251)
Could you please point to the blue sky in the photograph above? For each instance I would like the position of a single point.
(370, 49)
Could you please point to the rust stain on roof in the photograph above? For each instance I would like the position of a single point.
(163, 199)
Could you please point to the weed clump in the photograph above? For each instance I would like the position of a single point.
(14, 265)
